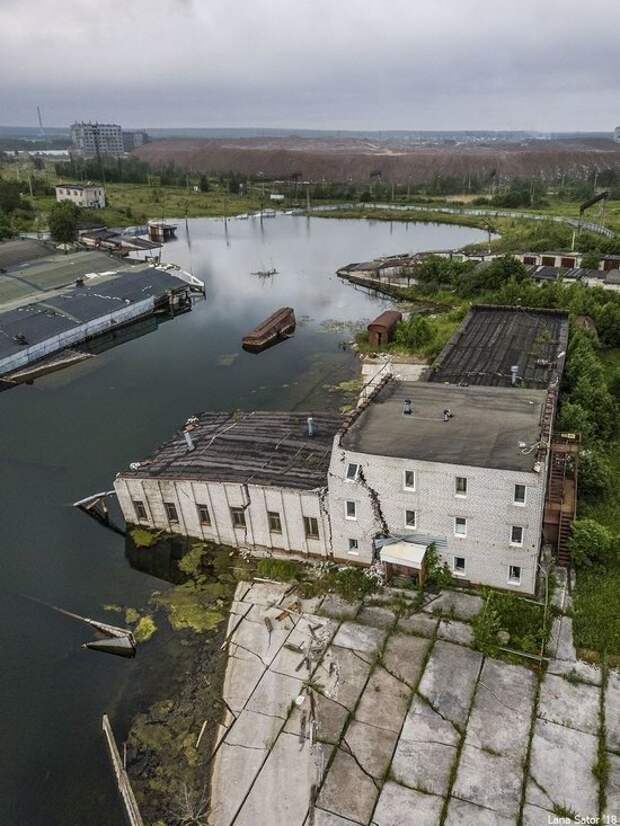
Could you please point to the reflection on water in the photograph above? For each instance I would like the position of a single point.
(67, 435)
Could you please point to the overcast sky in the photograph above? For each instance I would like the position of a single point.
(322, 64)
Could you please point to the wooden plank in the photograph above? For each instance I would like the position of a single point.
(122, 778)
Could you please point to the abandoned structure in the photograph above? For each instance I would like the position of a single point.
(381, 330)
(89, 196)
(161, 231)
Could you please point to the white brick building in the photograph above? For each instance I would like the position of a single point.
(90, 196)
(97, 138)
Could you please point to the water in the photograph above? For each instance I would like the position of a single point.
(66, 436)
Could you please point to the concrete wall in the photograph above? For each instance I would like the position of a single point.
(488, 507)
(92, 197)
(220, 497)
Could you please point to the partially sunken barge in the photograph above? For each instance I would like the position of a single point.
(278, 326)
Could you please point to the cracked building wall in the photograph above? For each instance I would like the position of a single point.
(219, 497)
(379, 494)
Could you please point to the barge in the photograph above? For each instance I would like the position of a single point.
(278, 326)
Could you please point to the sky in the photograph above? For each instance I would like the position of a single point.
(544, 65)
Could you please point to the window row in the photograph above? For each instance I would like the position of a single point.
(459, 524)
(237, 516)
(459, 569)
(460, 484)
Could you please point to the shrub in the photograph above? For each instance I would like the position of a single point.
(595, 475)
(283, 570)
(437, 575)
(591, 543)
(354, 583)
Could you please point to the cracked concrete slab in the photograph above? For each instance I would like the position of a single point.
(535, 816)
(319, 817)
(449, 680)
(422, 625)
(252, 730)
(242, 675)
(561, 761)
(426, 750)
(613, 786)
(456, 605)
(338, 608)
(363, 639)
(348, 791)
(276, 802)
(279, 619)
(612, 711)
(579, 670)
(399, 806)
(255, 638)
(227, 797)
(568, 704)
(455, 631)
(384, 702)
(560, 645)
(377, 616)
(462, 813)
(303, 648)
(372, 746)
(266, 593)
(404, 656)
(330, 717)
(489, 780)
(274, 694)
(501, 715)
(341, 675)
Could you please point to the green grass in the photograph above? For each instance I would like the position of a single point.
(283, 570)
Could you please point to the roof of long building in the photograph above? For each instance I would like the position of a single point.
(493, 339)
(258, 447)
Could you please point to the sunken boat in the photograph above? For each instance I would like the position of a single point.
(278, 326)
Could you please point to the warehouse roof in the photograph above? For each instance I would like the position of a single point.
(494, 427)
(493, 339)
(259, 447)
(19, 251)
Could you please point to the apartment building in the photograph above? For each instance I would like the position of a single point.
(97, 138)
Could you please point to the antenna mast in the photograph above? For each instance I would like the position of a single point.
(40, 119)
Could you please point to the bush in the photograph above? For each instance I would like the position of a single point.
(63, 222)
(590, 260)
(414, 333)
(591, 543)
(354, 583)
(284, 570)
(437, 575)
(595, 475)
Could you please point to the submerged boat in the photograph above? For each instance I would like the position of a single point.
(278, 326)
(119, 646)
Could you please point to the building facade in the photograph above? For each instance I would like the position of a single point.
(90, 196)
(97, 138)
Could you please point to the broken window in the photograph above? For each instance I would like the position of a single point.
(238, 517)
(311, 527)
(516, 535)
(203, 514)
(514, 574)
(352, 471)
(409, 481)
(353, 547)
(459, 564)
(461, 486)
(350, 509)
(171, 511)
(410, 519)
(275, 524)
(139, 508)
(460, 526)
(519, 495)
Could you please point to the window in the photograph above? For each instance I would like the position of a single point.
(519, 495)
(353, 547)
(460, 486)
(409, 480)
(459, 565)
(460, 526)
(139, 508)
(238, 517)
(171, 512)
(275, 525)
(514, 574)
(410, 519)
(203, 514)
(311, 527)
(352, 471)
(516, 535)
(350, 510)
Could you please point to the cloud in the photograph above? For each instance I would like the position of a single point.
(313, 63)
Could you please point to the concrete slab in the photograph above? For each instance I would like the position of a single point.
(266, 593)
(341, 675)
(399, 806)
(500, 718)
(319, 817)
(535, 816)
(274, 801)
(243, 672)
(489, 781)
(426, 750)
(256, 638)
(455, 631)
(560, 645)
(347, 790)
(384, 702)
(372, 747)
(304, 646)
(363, 639)
(455, 605)
(578, 670)
(613, 788)
(377, 616)
(423, 625)
(253, 731)
(404, 656)
(330, 717)
(274, 694)
(274, 614)
(561, 763)
(575, 706)
(461, 813)
(612, 711)
(226, 798)
(338, 608)
(449, 680)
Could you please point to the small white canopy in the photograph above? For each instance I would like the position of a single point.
(410, 554)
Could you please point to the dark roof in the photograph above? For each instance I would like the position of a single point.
(19, 251)
(386, 320)
(492, 339)
(260, 447)
(488, 427)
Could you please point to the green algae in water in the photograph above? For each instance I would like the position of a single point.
(131, 616)
(145, 628)
(196, 605)
(143, 538)
(191, 563)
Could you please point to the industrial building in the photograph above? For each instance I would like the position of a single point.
(91, 139)
(89, 196)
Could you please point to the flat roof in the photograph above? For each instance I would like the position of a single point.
(487, 428)
(493, 339)
(21, 250)
(259, 447)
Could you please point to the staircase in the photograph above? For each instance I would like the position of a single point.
(564, 532)
(561, 496)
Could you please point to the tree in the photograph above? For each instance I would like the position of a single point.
(591, 543)
(204, 183)
(63, 221)
(10, 196)
(595, 475)
(590, 260)
(5, 225)
(414, 333)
